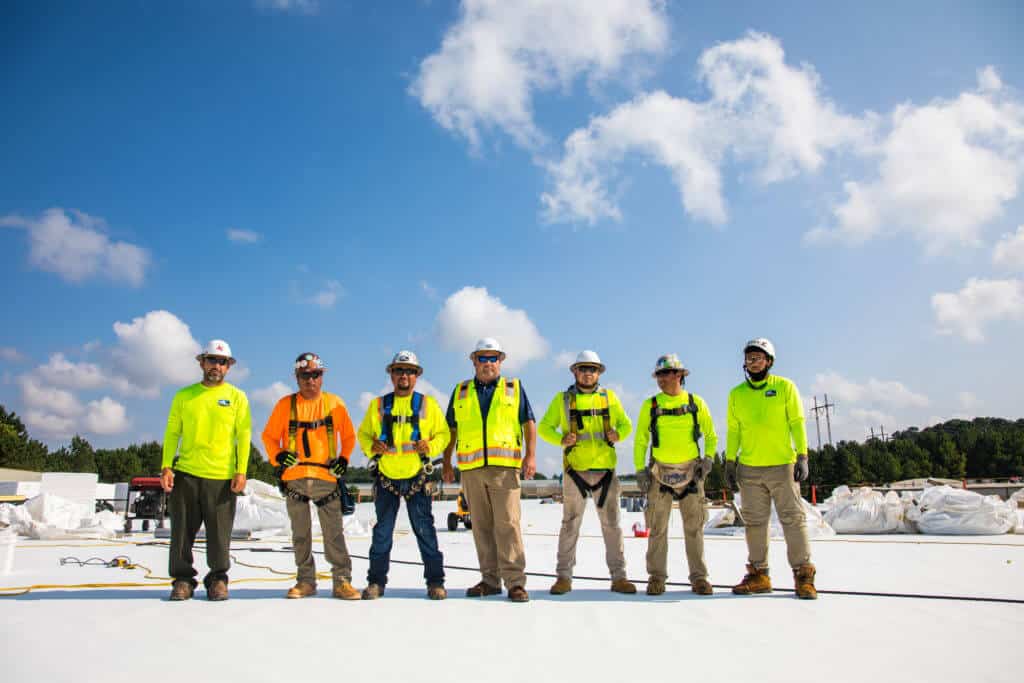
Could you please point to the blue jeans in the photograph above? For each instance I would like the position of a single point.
(421, 517)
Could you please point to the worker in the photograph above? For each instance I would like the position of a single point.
(309, 437)
(765, 459)
(587, 420)
(672, 424)
(494, 433)
(400, 434)
(205, 459)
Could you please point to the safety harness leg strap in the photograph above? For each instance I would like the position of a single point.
(604, 483)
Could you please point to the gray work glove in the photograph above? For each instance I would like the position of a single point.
(800, 471)
(643, 480)
(730, 476)
(702, 469)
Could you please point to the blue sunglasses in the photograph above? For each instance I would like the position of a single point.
(488, 359)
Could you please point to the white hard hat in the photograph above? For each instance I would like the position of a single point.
(488, 344)
(407, 359)
(587, 358)
(669, 361)
(761, 344)
(217, 347)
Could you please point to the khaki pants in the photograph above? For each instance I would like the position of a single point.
(573, 506)
(659, 510)
(332, 526)
(759, 487)
(493, 496)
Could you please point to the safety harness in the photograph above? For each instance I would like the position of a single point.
(656, 412)
(388, 420)
(574, 417)
(293, 427)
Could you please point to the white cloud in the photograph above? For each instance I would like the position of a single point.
(328, 296)
(52, 400)
(61, 372)
(293, 6)
(979, 302)
(72, 246)
(11, 354)
(889, 393)
(1009, 251)
(493, 60)
(471, 313)
(48, 424)
(106, 416)
(269, 396)
(760, 110)
(153, 350)
(563, 359)
(945, 170)
(244, 236)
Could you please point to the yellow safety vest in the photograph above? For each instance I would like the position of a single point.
(504, 433)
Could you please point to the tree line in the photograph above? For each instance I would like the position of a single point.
(984, 447)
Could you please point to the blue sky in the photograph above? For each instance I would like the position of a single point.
(628, 176)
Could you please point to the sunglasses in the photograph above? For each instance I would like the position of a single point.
(216, 360)
(588, 368)
(315, 374)
(665, 373)
(404, 371)
(488, 359)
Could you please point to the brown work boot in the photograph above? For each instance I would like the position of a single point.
(343, 590)
(702, 587)
(181, 590)
(436, 592)
(217, 590)
(623, 586)
(518, 594)
(300, 590)
(373, 591)
(655, 586)
(803, 577)
(756, 581)
(561, 586)
(481, 589)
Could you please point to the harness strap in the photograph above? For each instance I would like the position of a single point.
(294, 425)
(574, 417)
(657, 412)
(687, 490)
(319, 502)
(604, 483)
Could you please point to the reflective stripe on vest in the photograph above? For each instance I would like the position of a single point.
(504, 433)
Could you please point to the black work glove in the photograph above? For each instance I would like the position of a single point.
(800, 471)
(338, 467)
(730, 476)
(286, 459)
(702, 469)
(643, 480)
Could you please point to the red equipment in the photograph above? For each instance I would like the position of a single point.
(146, 500)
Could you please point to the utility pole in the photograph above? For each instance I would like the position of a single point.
(825, 407)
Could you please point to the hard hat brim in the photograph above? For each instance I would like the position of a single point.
(682, 370)
(231, 359)
(501, 354)
(572, 368)
(392, 366)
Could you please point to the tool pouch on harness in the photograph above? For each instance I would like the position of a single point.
(678, 479)
(590, 481)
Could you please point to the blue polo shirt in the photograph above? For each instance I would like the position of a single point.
(484, 393)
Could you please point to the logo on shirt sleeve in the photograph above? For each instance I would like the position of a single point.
(224, 402)
(769, 393)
